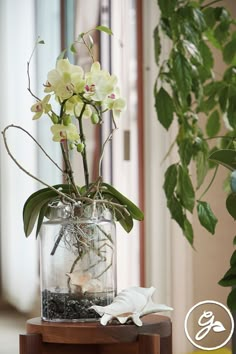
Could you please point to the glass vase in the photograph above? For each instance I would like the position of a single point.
(77, 262)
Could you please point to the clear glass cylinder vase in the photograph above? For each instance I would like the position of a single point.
(77, 262)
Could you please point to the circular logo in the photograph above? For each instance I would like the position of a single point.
(209, 325)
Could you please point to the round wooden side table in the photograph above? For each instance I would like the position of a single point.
(42, 337)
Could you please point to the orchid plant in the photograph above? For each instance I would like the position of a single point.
(79, 95)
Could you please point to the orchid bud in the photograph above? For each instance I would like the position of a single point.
(71, 146)
(54, 118)
(94, 118)
(80, 147)
(66, 119)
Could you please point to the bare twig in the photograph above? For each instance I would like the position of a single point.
(28, 173)
(210, 3)
(109, 138)
(41, 148)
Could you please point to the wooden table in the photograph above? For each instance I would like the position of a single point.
(42, 337)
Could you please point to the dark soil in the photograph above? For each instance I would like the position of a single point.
(71, 306)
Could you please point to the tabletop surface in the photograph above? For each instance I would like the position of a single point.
(94, 332)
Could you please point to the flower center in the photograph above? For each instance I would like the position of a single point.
(90, 88)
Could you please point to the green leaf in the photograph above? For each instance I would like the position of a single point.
(231, 112)
(122, 216)
(182, 75)
(41, 216)
(233, 259)
(188, 231)
(221, 32)
(207, 57)
(213, 124)
(185, 189)
(231, 300)
(208, 104)
(209, 16)
(189, 31)
(176, 210)
(185, 150)
(157, 44)
(73, 48)
(223, 98)
(104, 29)
(229, 51)
(234, 241)
(192, 51)
(170, 180)
(164, 107)
(199, 20)
(206, 216)
(229, 279)
(225, 157)
(201, 166)
(127, 223)
(134, 211)
(167, 7)
(212, 39)
(231, 204)
(36, 201)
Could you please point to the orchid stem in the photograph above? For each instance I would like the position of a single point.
(84, 152)
(65, 155)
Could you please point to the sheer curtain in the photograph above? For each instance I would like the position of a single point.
(18, 256)
(18, 33)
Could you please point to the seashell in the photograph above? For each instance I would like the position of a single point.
(85, 281)
(93, 285)
(79, 278)
(131, 303)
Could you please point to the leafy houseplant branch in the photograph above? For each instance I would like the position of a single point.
(191, 95)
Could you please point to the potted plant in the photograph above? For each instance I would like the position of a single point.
(189, 93)
(76, 223)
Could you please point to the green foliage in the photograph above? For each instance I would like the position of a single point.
(194, 98)
(225, 157)
(213, 124)
(206, 216)
(188, 90)
(231, 204)
(157, 44)
(36, 205)
(231, 300)
(185, 189)
(104, 29)
(164, 107)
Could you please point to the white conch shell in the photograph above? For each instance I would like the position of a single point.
(132, 303)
